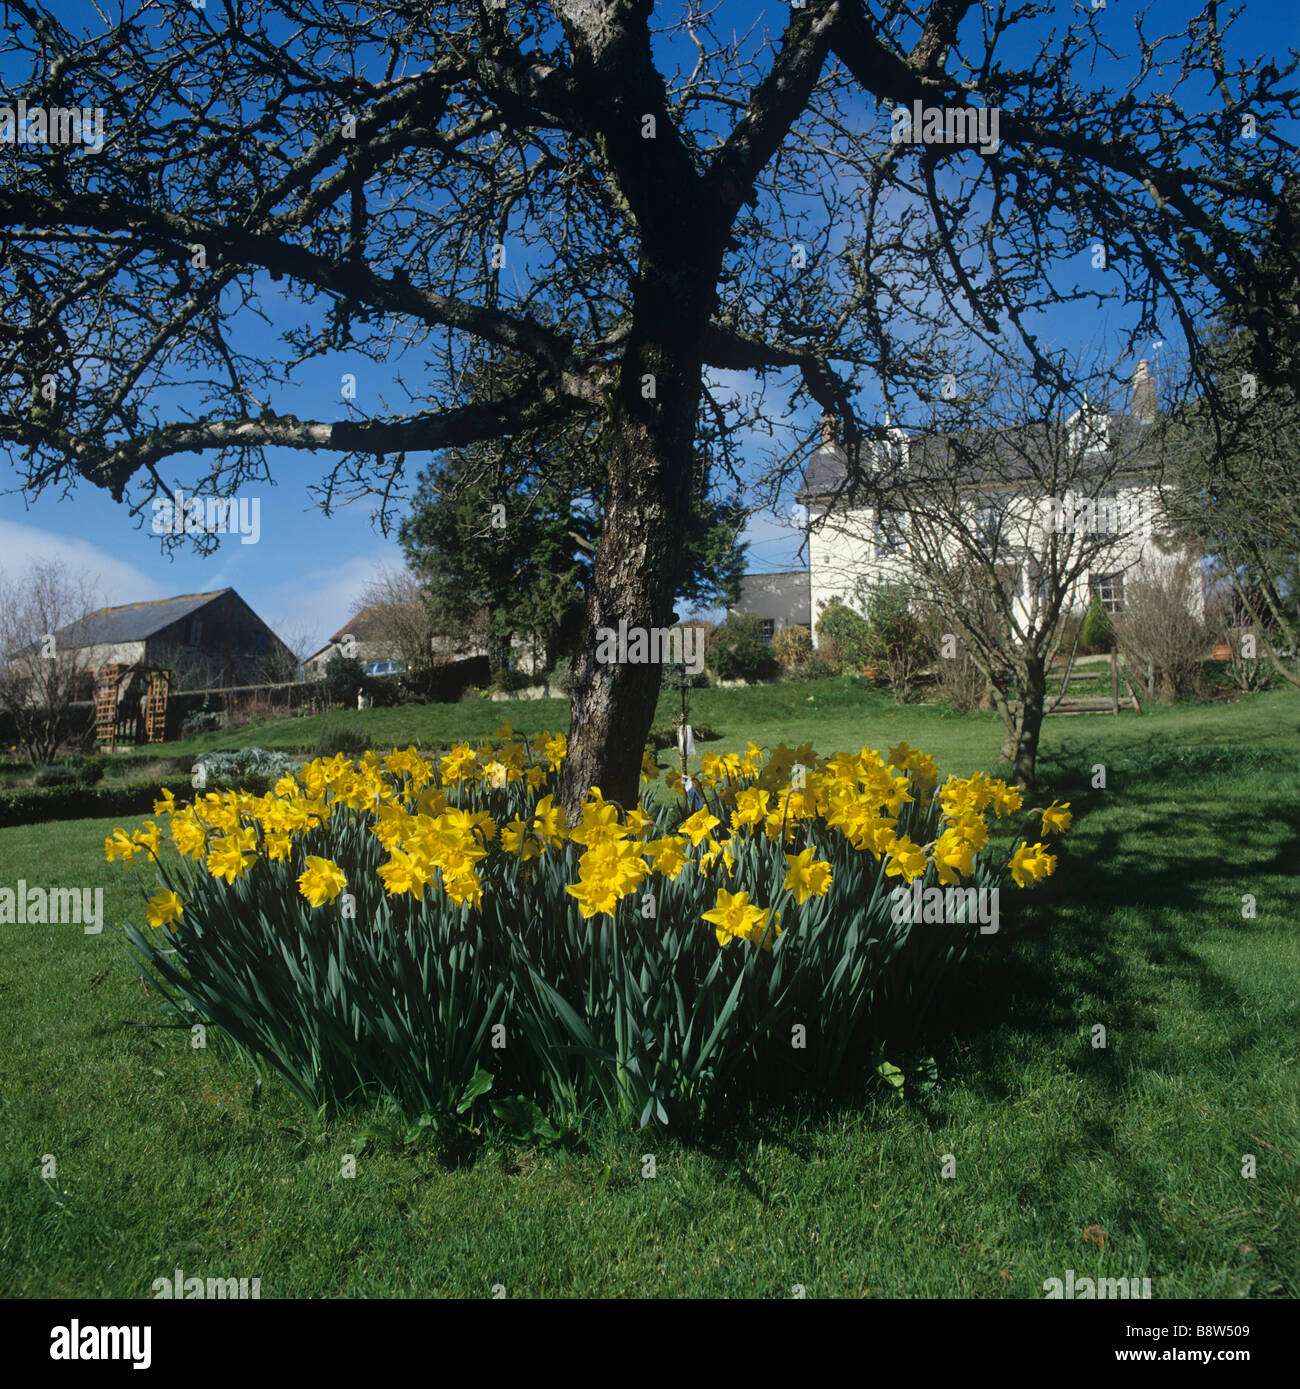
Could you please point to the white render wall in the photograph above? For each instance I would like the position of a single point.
(127, 653)
(843, 554)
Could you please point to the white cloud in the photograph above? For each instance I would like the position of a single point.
(22, 546)
(319, 602)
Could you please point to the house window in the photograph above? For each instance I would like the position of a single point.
(990, 525)
(260, 643)
(888, 531)
(196, 632)
(769, 629)
(1108, 590)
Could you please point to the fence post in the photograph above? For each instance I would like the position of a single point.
(1114, 682)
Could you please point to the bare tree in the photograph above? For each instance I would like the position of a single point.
(403, 621)
(41, 674)
(1234, 488)
(1160, 634)
(626, 197)
(283, 664)
(1229, 622)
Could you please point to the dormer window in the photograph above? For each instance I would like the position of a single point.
(1089, 430)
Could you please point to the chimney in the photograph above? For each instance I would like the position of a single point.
(1142, 404)
(828, 431)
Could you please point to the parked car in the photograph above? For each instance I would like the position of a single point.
(385, 668)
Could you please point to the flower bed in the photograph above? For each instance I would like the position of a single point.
(432, 930)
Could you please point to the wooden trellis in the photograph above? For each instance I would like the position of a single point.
(108, 680)
(155, 707)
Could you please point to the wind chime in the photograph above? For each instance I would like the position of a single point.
(686, 738)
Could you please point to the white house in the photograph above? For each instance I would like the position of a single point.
(1111, 514)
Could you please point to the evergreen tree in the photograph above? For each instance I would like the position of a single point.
(508, 528)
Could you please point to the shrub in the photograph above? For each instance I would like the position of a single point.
(792, 646)
(897, 637)
(815, 668)
(199, 721)
(90, 770)
(843, 638)
(249, 769)
(468, 901)
(1228, 624)
(737, 651)
(561, 677)
(55, 776)
(385, 691)
(343, 679)
(507, 680)
(351, 742)
(960, 681)
(85, 802)
(1162, 643)
(678, 673)
(1097, 633)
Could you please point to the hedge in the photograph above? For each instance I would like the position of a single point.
(33, 807)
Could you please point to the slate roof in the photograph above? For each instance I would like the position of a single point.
(134, 621)
(965, 454)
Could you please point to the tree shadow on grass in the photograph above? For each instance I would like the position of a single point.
(1073, 941)
(1068, 939)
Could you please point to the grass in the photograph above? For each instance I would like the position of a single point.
(168, 1156)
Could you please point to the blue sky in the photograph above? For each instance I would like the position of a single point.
(306, 573)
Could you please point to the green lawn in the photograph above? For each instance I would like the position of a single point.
(172, 1157)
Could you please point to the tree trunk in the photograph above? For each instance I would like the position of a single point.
(638, 560)
(1029, 722)
(1008, 712)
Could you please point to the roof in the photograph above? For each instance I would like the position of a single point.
(965, 455)
(365, 626)
(361, 627)
(134, 621)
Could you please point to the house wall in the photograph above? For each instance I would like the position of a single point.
(845, 556)
(126, 653)
(841, 554)
(226, 633)
(782, 598)
(363, 650)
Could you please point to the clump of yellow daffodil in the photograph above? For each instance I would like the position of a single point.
(455, 824)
